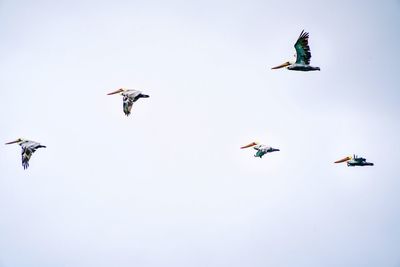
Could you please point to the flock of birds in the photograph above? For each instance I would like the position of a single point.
(130, 96)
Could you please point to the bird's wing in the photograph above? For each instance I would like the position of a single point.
(27, 151)
(360, 159)
(137, 96)
(127, 104)
(303, 54)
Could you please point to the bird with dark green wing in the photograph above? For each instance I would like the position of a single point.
(303, 55)
(355, 161)
(261, 149)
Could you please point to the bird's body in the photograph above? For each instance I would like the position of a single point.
(28, 148)
(303, 56)
(130, 96)
(302, 67)
(261, 149)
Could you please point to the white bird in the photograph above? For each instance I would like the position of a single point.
(303, 56)
(130, 96)
(28, 148)
(261, 149)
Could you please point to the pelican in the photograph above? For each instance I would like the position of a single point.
(303, 55)
(261, 149)
(28, 148)
(355, 161)
(130, 97)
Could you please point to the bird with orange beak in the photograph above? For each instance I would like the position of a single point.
(303, 56)
(261, 149)
(130, 96)
(28, 148)
(355, 161)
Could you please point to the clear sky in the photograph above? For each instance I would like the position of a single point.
(168, 185)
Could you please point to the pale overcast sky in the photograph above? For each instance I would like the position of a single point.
(168, 185)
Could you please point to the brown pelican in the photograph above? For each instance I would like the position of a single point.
(28, 148)
(303, 56)
(261, 149)
(130, 97)
(355, 161)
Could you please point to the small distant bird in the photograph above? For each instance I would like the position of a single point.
(28, 148)
(261, 149)
(355, 161)
(130, 96)
(303, 56)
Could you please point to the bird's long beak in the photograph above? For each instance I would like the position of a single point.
(343, 160)
(281, 66)
(249, 145)
(12, 142)
(116, 92)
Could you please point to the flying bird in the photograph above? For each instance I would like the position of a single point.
(261, 149)
(355, 161)
(130, 96)
(303, 56)
(28, 148)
